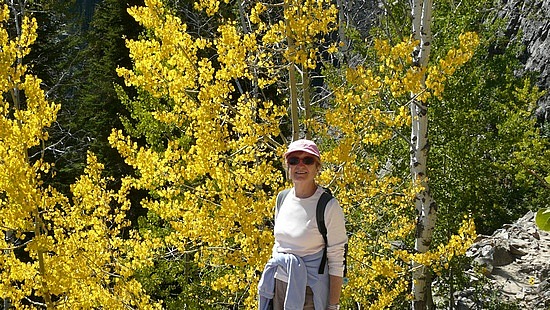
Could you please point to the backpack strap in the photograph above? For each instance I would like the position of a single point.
(281, 197)
(320, 215)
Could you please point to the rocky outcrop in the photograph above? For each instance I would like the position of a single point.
(516, 262)
(529, 21)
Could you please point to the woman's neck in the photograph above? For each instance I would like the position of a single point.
(305, 190)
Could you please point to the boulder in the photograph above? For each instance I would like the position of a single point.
(516, 261)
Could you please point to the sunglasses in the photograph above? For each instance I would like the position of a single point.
(293, 161)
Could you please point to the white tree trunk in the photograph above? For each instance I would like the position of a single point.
(307, 102)
(292, 83)
(293, 92)
(424, 202)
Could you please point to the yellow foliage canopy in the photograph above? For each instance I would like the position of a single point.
(54, 252)
(217, 191)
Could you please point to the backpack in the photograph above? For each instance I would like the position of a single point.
(320, 217)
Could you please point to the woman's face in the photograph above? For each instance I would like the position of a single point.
(302, 167)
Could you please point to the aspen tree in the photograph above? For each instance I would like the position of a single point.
(425, 205)
(225, 176)
(431, 84)
(216, 183)
(369, 111)
(62, 253)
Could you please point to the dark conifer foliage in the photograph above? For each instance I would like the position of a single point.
(56, 59)
(98, 108)
(80, 44)
(85, 9)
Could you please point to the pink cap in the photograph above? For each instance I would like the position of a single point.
(303, 145)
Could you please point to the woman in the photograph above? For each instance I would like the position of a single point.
(292, 278)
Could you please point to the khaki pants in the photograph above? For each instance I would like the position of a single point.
(280, 293)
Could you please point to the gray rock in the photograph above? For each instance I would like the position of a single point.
(502, 256)
(515, 260)
(529, 23)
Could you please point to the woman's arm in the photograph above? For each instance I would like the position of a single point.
(335, 290)
(337, 239)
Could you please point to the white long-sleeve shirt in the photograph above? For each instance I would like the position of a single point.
(296, 230)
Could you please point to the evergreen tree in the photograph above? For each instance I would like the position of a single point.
(98, 107)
